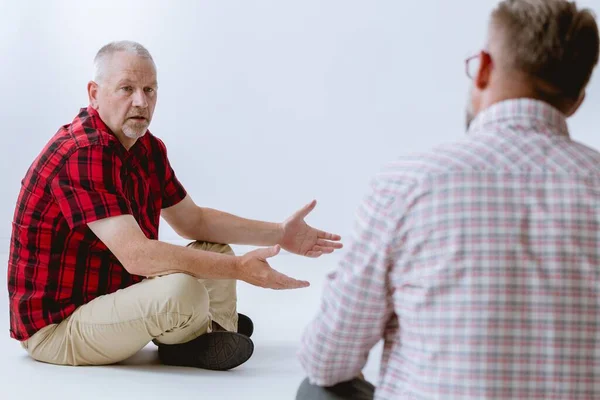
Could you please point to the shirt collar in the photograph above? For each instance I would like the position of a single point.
(528, 113)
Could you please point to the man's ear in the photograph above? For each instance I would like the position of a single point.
(92, 89)
(482, 80)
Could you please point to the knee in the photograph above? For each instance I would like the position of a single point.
(184, 294)
(212, 247)
(357, 389)
(226, 249)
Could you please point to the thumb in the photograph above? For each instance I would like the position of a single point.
(273, 251)
(268, 252)
(304, 211)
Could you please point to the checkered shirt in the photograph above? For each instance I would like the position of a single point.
(478, 266)
(83, 174)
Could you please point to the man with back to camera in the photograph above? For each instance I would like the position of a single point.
(89, 281)
(478, 263)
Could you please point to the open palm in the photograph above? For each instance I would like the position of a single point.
(300, 238)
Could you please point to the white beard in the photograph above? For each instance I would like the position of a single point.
(135, 130)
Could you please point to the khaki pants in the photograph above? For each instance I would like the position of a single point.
(169, 309)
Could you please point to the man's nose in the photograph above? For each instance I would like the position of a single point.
(139, 99)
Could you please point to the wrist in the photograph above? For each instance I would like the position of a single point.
(279, 233)
(236, 267)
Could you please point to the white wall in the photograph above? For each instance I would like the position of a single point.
(263, 104)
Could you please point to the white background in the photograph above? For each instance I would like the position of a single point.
(264, 105)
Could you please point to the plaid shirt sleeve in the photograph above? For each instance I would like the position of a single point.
(356, 304)
(173, 191)
(88, 186)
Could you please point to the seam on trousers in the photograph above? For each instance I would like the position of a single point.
(128, 321)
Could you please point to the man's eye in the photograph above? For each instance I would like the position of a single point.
(126, 88)
(149, 90)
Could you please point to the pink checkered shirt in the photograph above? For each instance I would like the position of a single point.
(478, 265)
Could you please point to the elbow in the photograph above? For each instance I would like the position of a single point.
(325, 363)
(319, 375)
(318, 368)
(134, 269)
(186, 232)
(135, 258)
(315, 375)
(185, 235)
(190, 228)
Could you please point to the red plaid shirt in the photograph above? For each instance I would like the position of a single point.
(84, 173)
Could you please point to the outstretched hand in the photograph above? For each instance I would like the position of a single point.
(255, 270)
(302, 239)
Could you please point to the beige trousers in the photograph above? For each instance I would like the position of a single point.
(169, 309)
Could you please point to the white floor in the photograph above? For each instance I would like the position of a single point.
(272, 373)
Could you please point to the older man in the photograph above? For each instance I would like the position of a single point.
(478, 263)
(89, 281)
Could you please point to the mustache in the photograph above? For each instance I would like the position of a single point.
(134, 112)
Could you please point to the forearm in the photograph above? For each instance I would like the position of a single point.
(156, 258)
(221, 227)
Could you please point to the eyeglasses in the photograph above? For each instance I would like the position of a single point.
(472, 65)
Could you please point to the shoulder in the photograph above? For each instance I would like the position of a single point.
(88, 130)
(85, 136)
(584, 157)
(416, 167)
(414, 174)
(66, 149)
(156, 146)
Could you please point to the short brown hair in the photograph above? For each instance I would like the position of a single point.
(551, 40)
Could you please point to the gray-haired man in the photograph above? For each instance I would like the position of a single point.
(89, 281)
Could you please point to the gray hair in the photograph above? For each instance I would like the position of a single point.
(109, 49)
(551, 40)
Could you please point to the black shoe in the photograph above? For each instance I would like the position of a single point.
(245, 325)
(218, 351)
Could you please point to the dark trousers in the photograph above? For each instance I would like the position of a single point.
(357, 389)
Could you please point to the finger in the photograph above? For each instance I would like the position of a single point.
(268, 252)
(328, 236)
(304, 211)
(324, 250)
(274, 250)
(285, 282)
(314, 254)
(327, 243)
(283, 286)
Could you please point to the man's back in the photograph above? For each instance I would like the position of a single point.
(491, 266)
(496, 283)
(477, 262)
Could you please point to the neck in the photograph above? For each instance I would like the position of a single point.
(508, 92)
(126, 141)
(521, 87)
